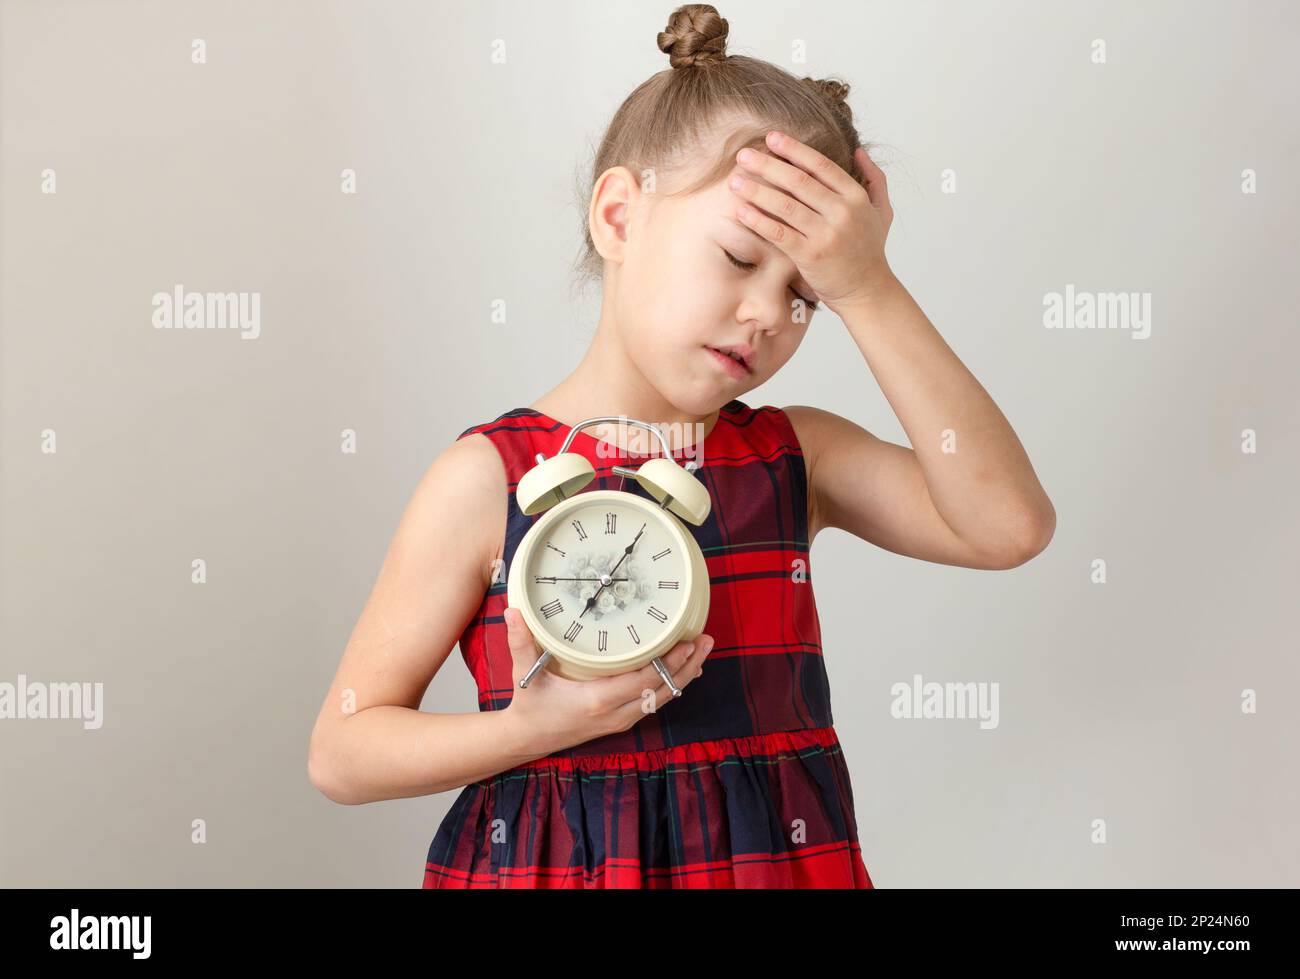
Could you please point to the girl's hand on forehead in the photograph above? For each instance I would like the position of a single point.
(831, 227)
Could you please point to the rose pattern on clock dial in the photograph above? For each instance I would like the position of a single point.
(588, 589)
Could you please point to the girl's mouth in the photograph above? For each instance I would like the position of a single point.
(732, 366)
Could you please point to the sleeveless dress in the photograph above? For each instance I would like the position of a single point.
(740, 782)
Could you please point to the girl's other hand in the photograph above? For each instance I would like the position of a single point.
(554, 713)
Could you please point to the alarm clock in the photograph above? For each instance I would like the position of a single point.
(607, 580)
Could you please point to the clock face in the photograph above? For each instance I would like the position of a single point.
(607, 578)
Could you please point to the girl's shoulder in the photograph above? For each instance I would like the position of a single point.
(808, 422)
(463, 491)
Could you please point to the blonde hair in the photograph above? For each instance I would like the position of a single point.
(671, 114)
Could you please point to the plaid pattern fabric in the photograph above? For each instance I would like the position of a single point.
(740, 782)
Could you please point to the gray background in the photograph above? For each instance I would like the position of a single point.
(1118, 701)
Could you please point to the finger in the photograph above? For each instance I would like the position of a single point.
(682, 671)
(806, 187)
(524, 649)
(875, 182)
(829, 178)
(689, 671)
(517, 631)
(789, 240)
(776, 203)
(630, 687)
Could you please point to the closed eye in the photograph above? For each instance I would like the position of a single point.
(750, 266)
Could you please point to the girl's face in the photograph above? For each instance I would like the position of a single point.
(680, 293)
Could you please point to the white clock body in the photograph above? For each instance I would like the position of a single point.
(654, 597)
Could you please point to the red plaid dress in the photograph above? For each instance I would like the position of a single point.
(741, 781)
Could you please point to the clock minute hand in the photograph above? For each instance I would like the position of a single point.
(628, 550)
(545, 578)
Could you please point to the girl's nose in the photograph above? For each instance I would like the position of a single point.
(763, 310)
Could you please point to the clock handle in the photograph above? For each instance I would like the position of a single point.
(663, 672)
(621, 419)
(532, 672)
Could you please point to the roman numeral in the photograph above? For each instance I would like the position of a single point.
(542, 579)
(552, 608)
(632, 631)
(656, 557)
(654, 613)
(602, 641)
(669, 584)
(582, 534)
(610, 520)
(574, 629)
(556, 549)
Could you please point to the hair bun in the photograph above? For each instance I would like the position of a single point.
(695, 34)
(836, 92)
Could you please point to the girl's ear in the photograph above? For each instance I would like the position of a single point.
(611, 207)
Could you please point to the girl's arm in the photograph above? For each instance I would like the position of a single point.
(965, 494)
(371, 741)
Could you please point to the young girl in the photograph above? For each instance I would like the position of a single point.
(712, 260)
